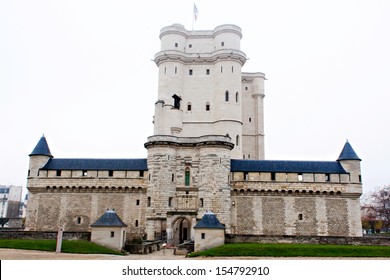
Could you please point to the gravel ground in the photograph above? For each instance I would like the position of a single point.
(15, 254)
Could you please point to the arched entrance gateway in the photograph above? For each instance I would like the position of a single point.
(181, 228)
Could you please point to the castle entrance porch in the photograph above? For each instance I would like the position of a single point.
(181, 228)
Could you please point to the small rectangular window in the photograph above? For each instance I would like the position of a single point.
(137, 202)
(136, 223)
(141, 173)
(250, 119)
(246, 176)
(85, 173)
(207, 107)
(190, 72)
(246, 88)
(190, 45)
(112, 234)
(201, 202)
(189, 107)
(176, 45)
(58, 172)
(222, 44)
(273, 176)
(170, 201)
(300, 177)
(203, 235)
(327, 177)
(110, 173)
(207, 71)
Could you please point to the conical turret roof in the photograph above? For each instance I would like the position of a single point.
(41, 149)
(348, 153)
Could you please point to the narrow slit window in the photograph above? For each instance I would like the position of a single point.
(187, 177)
(237, 96)
(226, 95)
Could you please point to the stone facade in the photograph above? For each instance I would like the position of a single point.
(207, 153)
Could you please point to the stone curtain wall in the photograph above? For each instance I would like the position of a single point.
(295, 216)
(49, 235)
(77, 211)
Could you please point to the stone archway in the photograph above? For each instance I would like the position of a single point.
(181, 228)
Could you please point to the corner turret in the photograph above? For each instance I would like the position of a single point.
(39, 157)
(351, 163)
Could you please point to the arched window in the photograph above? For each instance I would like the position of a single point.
(187, 177)
(237, 96)
(227, 95)
(237, 140)
(207, 106)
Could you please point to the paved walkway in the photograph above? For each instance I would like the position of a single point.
(15, 254)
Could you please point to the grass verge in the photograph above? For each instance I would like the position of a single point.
(294, 250)
(68, 246)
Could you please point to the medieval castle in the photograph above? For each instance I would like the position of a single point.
(207, 153)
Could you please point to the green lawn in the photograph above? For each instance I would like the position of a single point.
(68, 246)
(295, 250)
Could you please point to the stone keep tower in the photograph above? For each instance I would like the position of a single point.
(198, 128)
(202, 90)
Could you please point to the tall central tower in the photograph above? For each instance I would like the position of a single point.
(200, 83)
(207, 113)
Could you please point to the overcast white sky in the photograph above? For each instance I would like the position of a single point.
(81, 73)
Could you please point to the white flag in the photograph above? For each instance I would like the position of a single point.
(196, 12)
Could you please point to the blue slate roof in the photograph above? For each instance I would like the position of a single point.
(41, 149)
(209, 220)
(348, 153)
(109, 219)
(331, 167)
(95, 164)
